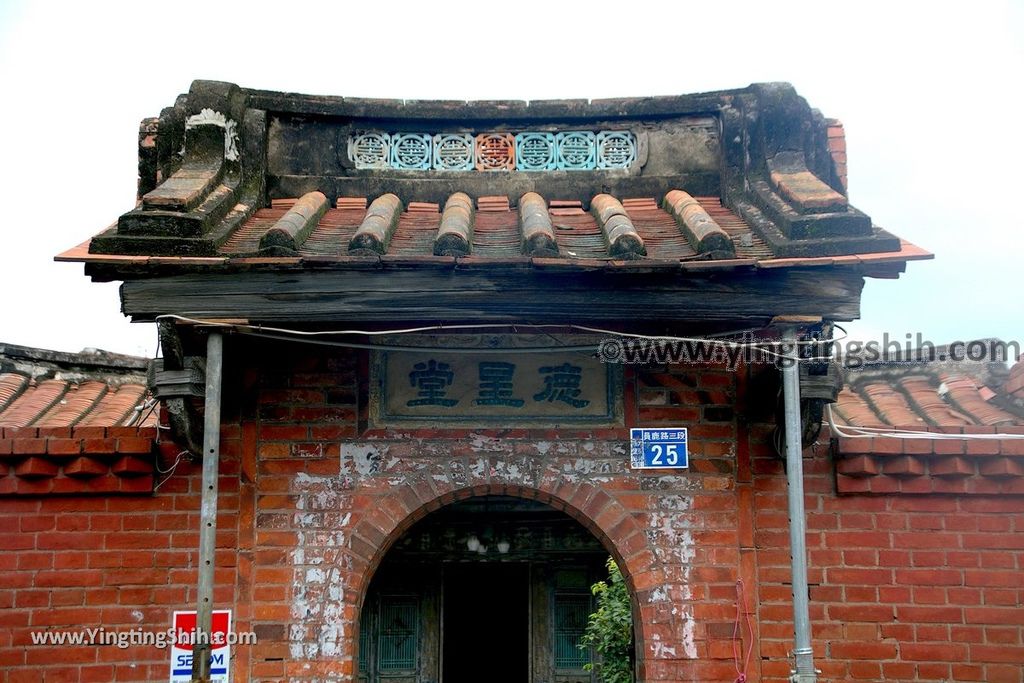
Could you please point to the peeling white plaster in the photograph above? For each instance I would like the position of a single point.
(206, 117)
(367, 459)
(675, 546)
(317, 591)
(479, 468)
(316, 452)
(674, 502)
(304, 519)
(661, 650)
(137, 615)
(689, 646)
(209, 117)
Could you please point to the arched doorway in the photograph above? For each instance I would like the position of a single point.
(492, 587)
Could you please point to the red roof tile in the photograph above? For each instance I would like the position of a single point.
(120, 406)
(496, 232)
(890, 404)
(963, 392)
(939, 400)
(33, 403)
(78, 400)
(1015, 382)
(927, 395)
(68, 420)
(930, 404)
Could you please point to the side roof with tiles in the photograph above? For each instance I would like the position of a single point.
(910, 426)
(75, 423)
(48, 389)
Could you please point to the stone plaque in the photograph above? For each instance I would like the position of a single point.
(497, 381)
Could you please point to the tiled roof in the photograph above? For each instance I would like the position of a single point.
(924, 398)
(74, 423)
(496, 232)
(751, 177)
(496, 237)
(1014, 386)
(48, 389)
(973, 402)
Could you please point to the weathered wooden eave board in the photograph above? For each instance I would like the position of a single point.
(490, 110)
(477, 295)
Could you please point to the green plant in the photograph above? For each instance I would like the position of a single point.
(610, 629)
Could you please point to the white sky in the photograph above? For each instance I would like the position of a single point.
(931, 95)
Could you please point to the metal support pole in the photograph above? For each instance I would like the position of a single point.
(805, 672)
(208, 510)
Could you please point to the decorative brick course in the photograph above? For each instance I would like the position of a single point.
(84, 460)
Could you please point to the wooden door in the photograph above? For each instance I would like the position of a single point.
(399, 634)
(561, 603)
(466, 622)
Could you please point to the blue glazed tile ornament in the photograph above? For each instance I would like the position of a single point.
(615, 149)
(575, 151)
(369, 149)
(535, 152)
(453, 152)
(410, 151)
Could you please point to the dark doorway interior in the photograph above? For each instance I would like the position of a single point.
(486, 623)
(489, 589)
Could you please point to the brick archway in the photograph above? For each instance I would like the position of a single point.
(387, 519)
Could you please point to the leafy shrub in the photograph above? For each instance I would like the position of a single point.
(610, 629)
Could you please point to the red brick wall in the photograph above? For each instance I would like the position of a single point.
(837, 148)
(120, 562)
(312, 500)
(905, 588)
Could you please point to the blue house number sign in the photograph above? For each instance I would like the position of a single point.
(658, 448)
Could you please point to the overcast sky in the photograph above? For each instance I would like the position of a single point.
(931, 95)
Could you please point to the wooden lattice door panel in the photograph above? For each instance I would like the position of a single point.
(399, 628)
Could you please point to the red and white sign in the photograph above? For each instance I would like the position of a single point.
(186, 636)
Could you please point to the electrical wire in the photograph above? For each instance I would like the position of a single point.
(737, 635)
(149, 406)
(169, 471)
(845, 431)
(589, 348)
(275, 332)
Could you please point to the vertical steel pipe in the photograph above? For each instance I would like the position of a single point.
(802, 651)
(208, 509)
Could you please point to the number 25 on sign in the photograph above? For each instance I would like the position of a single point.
(658, 448)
